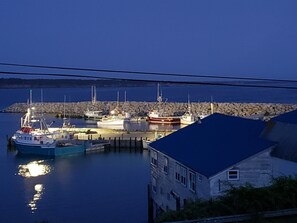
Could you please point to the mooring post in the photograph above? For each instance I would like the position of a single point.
(130, 143)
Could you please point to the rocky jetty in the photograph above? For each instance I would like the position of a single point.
(141, 108)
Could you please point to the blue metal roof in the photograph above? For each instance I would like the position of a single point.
(289, 117)
(219, 142)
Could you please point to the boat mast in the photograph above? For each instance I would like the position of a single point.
(159, 96)
(64, 106)
(189, 104)
(118, 98)
(94, 95)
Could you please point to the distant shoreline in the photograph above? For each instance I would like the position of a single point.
(68, 83)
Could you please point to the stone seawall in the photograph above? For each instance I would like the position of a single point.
(142, 108)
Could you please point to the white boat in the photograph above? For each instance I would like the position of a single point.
(35, 138)
(115, 120)
(188, 117)
(95, 115)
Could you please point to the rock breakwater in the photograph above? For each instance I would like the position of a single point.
(142, 108)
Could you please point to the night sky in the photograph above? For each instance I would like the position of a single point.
(254, 38)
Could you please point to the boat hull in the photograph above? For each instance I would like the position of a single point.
(164, 120)
(49, 151)
(186, 122)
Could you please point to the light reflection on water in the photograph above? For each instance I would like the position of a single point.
(34, 169)
(31, 170)
(37, 196)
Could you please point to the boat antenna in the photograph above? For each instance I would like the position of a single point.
(118, 98)
(94, 94)
(159, 96)
(30, 100)
(41, 99)
(189, 103)
(211, 105)
(64, 105)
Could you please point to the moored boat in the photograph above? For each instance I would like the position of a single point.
(115, 119)
(95, 115)
(34, 138)
(188, 117)
(159, 116)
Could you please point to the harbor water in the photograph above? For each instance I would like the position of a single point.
(97, 187)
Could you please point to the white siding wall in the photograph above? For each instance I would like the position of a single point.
(166, 183)
(283, 167)
(256, 171)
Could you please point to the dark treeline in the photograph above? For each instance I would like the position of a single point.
(40, 83)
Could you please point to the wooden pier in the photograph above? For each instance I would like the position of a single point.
(100, 140)
(103, 140)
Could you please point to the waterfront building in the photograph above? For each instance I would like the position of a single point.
(283, 130)
(203, 160)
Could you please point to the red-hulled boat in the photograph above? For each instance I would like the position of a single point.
(158, 116)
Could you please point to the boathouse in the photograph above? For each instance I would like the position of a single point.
(283, 130)
(205, 159)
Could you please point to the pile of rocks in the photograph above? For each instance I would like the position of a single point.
(142, 108)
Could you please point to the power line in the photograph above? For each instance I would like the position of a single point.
(147, 73)
(151, 81)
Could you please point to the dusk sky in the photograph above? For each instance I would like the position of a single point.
(252, 38)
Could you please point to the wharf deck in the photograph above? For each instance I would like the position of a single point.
(99, 133)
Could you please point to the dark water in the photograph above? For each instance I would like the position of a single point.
(98, 187)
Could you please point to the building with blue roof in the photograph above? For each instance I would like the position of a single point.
(283, 130)
(288, 117)
(205, 159)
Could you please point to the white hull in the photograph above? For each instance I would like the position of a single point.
(186, 122)
(93, 114)
(103, 123)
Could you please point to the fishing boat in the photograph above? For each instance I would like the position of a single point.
(188, 117)
(116, 118)
(95, 115)
(35, 138)
(159, 115)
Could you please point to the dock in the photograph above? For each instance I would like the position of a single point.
(98, 139)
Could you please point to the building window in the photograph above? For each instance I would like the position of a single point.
(154, 157)
(154, 185)
(165, 168)
(177, 172)
(233, 175)
(183, 176)
(192, 181)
